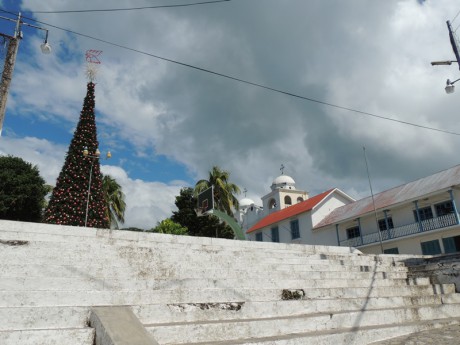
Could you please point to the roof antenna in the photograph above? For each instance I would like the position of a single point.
(282, 169)
(373, 201)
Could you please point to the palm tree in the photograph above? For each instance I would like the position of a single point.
(224, 190)
(115, 200)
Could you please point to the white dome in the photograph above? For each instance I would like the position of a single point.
(246, 202)
(284, 180)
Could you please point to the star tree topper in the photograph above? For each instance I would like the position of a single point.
(92, 62)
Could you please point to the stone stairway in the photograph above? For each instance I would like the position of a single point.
(187, 290)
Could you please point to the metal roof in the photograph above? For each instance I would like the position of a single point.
(407, 192)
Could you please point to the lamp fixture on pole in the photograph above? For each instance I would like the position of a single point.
(93, 157)
(450, 88)
(10, 59)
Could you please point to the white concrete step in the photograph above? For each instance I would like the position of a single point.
(34, 240)
(99, 270)
(194, 312)
(196, 332)
(184, 261)
(89, 283)
(101, 245)
(68, 250)
(58, 232)
(360, 336)
(183, 264)
(23, 318)
(126, 297)
(50, 336)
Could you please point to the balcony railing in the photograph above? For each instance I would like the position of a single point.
(402, 231)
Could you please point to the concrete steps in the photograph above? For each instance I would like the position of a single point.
(44, 250)
(40, 317)
(101, 271)
(132, 297)
(362, 335)
(207, 291)
(215, 331)
(196, 312)
(104, 284)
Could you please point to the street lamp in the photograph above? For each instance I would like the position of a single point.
(450, 88)
(441, 63)
(10, 59)
(93, 157)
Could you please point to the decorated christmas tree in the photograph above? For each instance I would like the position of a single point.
(78, 197)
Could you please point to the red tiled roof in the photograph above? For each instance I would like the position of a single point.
(290, 211)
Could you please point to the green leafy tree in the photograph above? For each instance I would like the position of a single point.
(115, 201)
(224, 191)
(22, 190)
(206, 226)
(168, 226)
(68, 202)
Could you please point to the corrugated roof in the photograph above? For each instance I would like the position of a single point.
(410, 191)
(289, 212)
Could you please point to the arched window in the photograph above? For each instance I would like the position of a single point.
(272, 204)
(287, 200)
(299, 199)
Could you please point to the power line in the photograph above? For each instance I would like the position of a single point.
(133, 8)
(455, 16)
(291, 94)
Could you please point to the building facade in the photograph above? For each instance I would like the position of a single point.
(288, 214)
(420, 217)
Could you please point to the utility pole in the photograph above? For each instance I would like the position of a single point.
(8, 67)
(10, 60)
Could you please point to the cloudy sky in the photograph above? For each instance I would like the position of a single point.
(167, 124)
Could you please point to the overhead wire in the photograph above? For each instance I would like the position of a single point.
(273, 89)
(455, 16)
(133, 8)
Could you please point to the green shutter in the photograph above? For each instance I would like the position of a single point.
(391, 251)
(431, 247)
(449, 245)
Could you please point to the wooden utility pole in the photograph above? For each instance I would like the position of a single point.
(10, 60)
(7, 75)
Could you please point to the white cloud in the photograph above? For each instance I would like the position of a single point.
(146, 202)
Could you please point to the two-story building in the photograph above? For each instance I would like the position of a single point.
(419, 217)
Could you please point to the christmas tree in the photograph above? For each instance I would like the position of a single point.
(78, 197)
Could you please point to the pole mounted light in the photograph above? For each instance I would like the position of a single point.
(450, 88)
(10, 59)
(441, 63)
(93, 157)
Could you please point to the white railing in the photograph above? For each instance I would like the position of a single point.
(401, 231)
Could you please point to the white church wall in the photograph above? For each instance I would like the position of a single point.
(329, 204)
